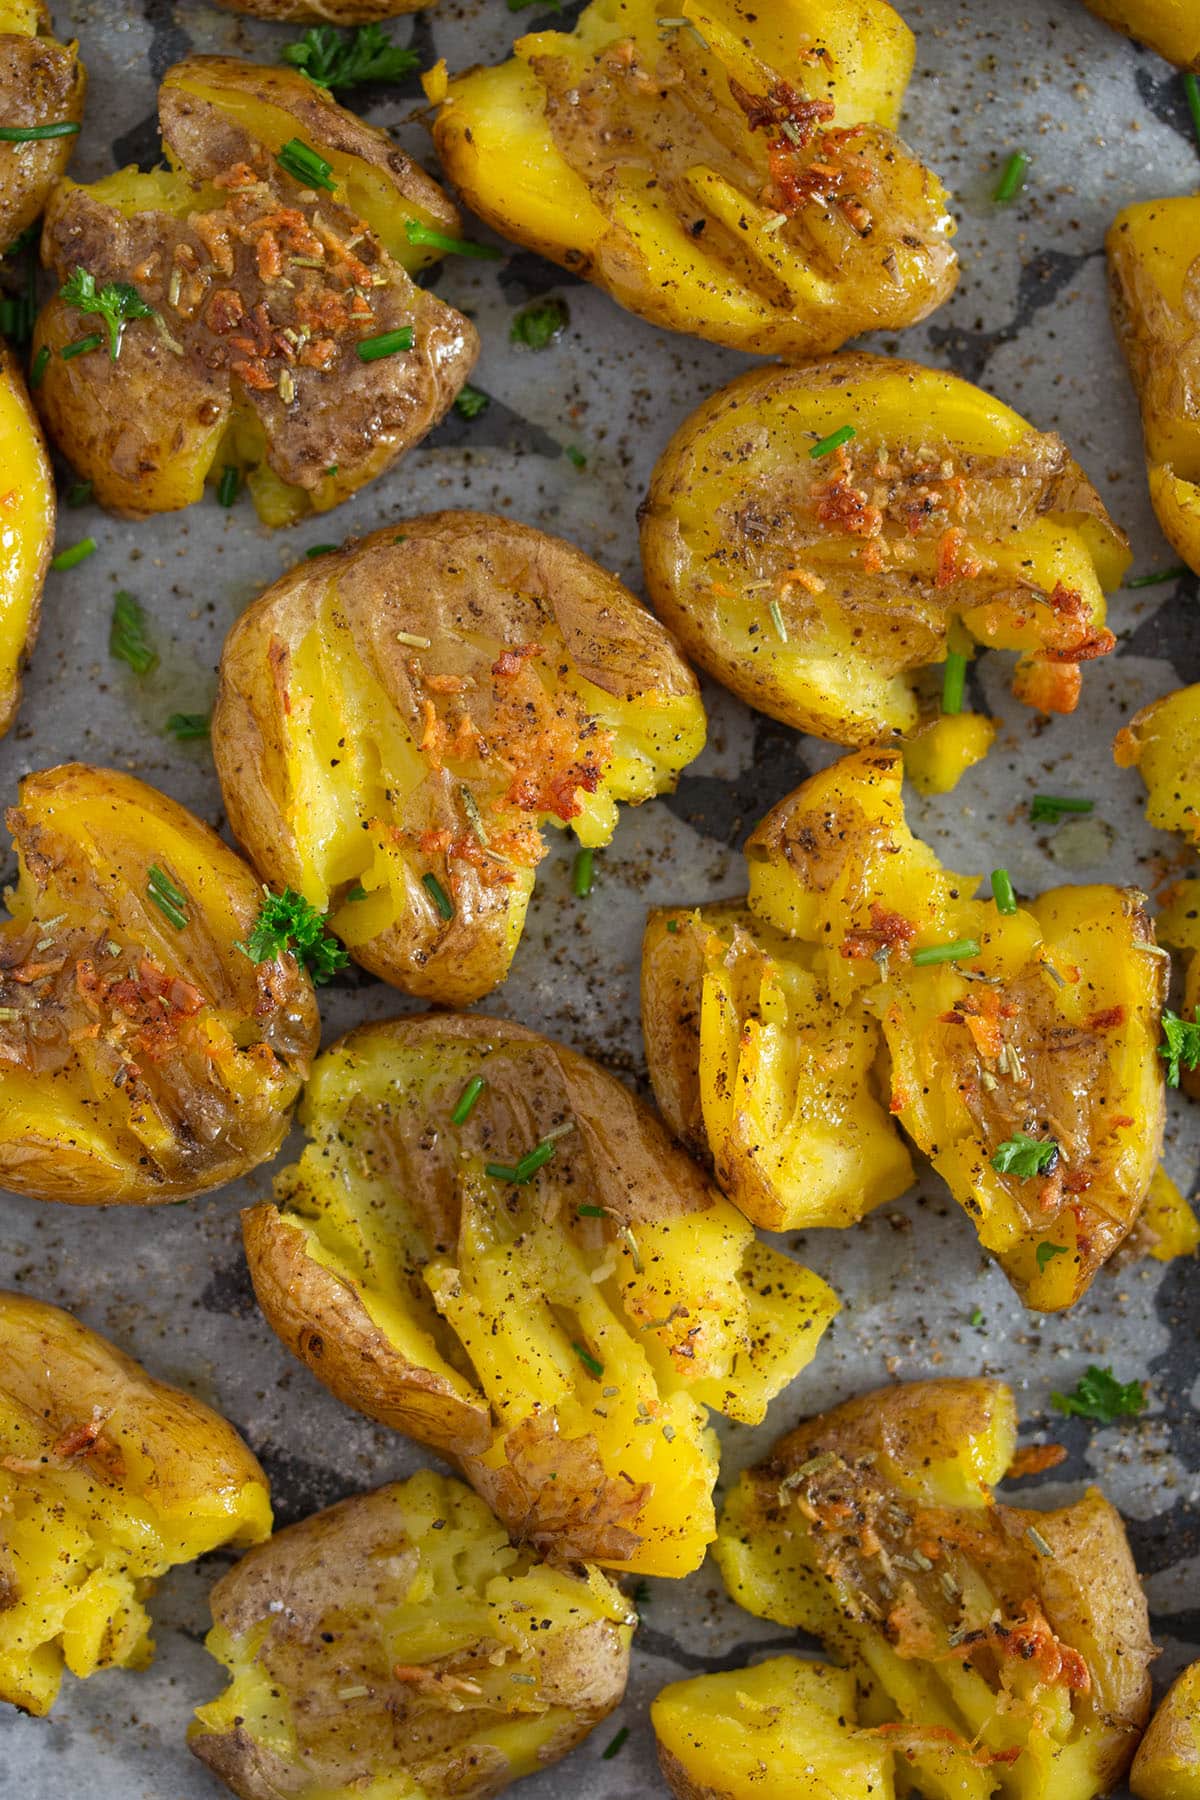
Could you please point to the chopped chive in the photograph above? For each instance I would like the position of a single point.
(591, 1212)
(438, 895)
(127, 638)
(1191, 89)
(169, 899)
(188, 725)
(413, 638)
(588, 1360)
(38, 368)
(78, 494)
(357, 892)
(575, 455)
(610, 1750)
(976, 1318)
(69, 559)
(1012, 180)
(315, 550)
(826, 445)
(301, 161)
(944, 953)
(1047, 809)
(1002, 892)
(418, 233)
(535, 1159)
(227, 487)
(1141, 581)
(81, 346)
(583, 874)
(954, 682)
(387, 343)
(32, 134)
(466, 1100)
(500, 1171)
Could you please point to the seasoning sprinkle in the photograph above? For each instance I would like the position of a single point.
(944, 953)
(438, 895)
(1012, 179)
(777, 621)
(170, 900)
(474, 817)
(630, 1242)
(827, 445)
(1038, 1541)
(465, 1104)
(410, 637)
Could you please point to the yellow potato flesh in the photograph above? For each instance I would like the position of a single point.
(1154, 253)
(782, 1730)
(1075, 966)
(27, 508)
(86, 1535)
(1167, 1765)
(595, 1341)
(22, 18)
(438, 1585)
(1163, 742)
(1168, 26)
(1171, 1226)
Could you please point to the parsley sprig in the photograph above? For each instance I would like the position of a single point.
(115, 304)
(1025, 1156)
(337, 59)
(1099, 1395)
(288, 921)
(1180, 1045)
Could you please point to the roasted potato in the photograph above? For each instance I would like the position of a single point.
(1022, 1046)
(781, 1730)
(1154, 276)
(816, 581)
(322, 12)
(42, 84)
(1169, 26)
(143, 1056)
(755, 1067)
(1178, 926)
(1167, 1226)
(108, 1478)
(730, 172)
(1162, 742)
(280, 334)
(558, 1337)
(28, 535)
(1167, 1764)
(396, 723)
(997, 1649)
(399, 1639)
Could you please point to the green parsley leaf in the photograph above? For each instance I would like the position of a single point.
(1099, 1395)
(1046, 1254)
(1025, 1156)
(337, 59)
(288, 921)
(536, 326)
(127, 639)
(470, 402)
(188, 725)
(1181, 1045)
(115, 304)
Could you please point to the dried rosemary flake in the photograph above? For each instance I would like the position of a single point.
(417, 643)
(822, 1460)
(474, 817)
(1038, 1541)
(630, 1242)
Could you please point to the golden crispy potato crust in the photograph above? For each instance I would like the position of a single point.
(263, 292)
(414, 708)
(42, 82)
(323, 1614)
(143, 1060)
(22, 566)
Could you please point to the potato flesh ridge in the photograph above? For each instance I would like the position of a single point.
(26, 532)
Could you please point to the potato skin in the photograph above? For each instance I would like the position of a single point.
(27, 543)
(391, 1630)
(816, 588)
(836, 865)
(107, 1479)
(452, 689)
(1062, 1633)
(688, 172)
(1167, 1764)
(1168, 26)
(141, 1063)
(42, 82)
(462, 1308)
(247, 365)
(1154, 286)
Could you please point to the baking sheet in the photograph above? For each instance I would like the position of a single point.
(1106, 123)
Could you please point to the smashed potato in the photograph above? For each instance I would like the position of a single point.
(400, 1639)
(1019, 1050)
(754, 1066)
(108, 1478)
(998, 1650)
(730, 171)
(1154, 277)
(934, 518)
(143, 1056)
(27, 533)
(1167, 1764)
(782, 1730)
(1162, 742)
(395, 725)
(42, 84)
(322, 12)
(491, 1245)
(1169, 26)
(275, 331)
